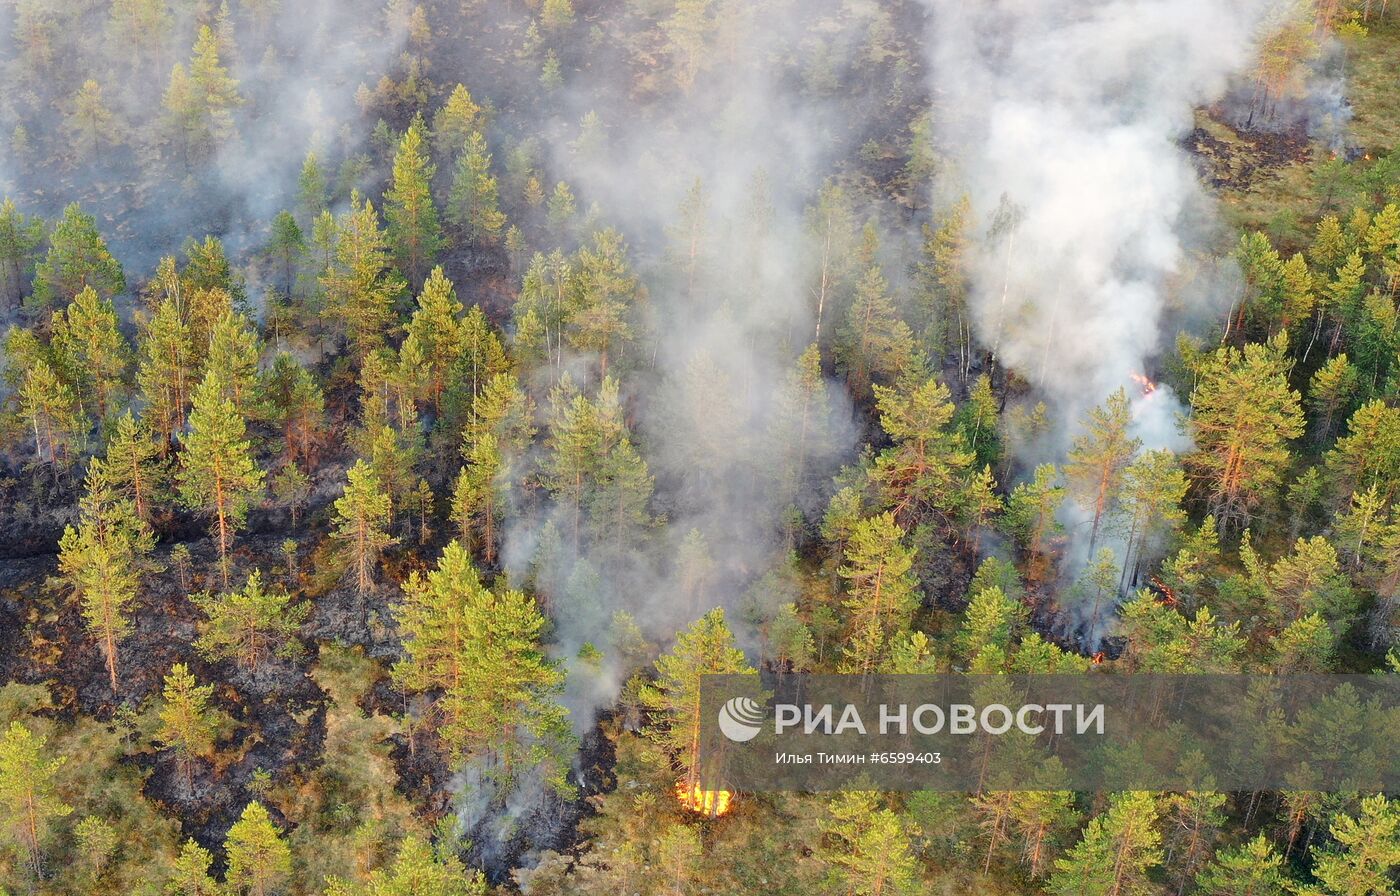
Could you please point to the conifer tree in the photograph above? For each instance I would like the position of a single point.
(218, 476)
(234, 351)
(20, 239)
(187, 725)
(1367, 853)
(132, 464)
(1117, 851)
(360, 286)
(875, 344)
(408, 206)
(417, 870)
(603, 290)
(481, 650)
(1243, 414)
(1149, 506)
(295, 402)
(165, 375)
(311, 189)
(435, 332)
(89, 122)
(189, 873)
(473, 206)
(50, 410)
(250, 625)
(215, 91)
(477, 499)
(77, 257)
(286, 246)
(1031, 517)
(870, 851)
(27, 793)
(457, 120)
(921, 475)
(101, 561)
(259, 862)
(361, 522)
(1253, 869)
(705, 648)
(91, 351)
(1099, 458)
(801, 428)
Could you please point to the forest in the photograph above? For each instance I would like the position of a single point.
(403, 405)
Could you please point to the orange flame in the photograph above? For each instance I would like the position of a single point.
(1148, 387)
(1097, 659)
(713, 803)
(1168, 595)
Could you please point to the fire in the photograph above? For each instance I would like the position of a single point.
(713, 803)
(1097, 659)
(1168, 595)
(1148, 387)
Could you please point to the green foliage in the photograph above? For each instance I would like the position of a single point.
(250, 625)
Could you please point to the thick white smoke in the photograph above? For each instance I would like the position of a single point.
(1065, 119)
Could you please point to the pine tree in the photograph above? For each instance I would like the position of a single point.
(27, 793)
(50, 410)
(705, 648)
(1253, 869)
(1329, 392)
(360, 286)
(89, 122)
(417, 870)
(294, 401)
(870, 852)
(139, 28)
(1031, 517)
(1243, 414)
(187, 725)
(250, 625)
(602, 292)
(458, 119)
(91, 351)
(189, 873)
(215, 92)
(1369, 453)
(922, 473)
(408, 206)
(101, 561)
(1367, 853)
(97, 843)
(477, 499)
(20, 239)
(133, 464)
(473, 206)
(481, 650)
(218, 476)
(234, 351)
(361, 523)
(435, 331)
(875, 343)
(802, 424)
(259, 862)
(881, 590)
(1099, 458)
(165, 374)
(77, 257)
(311, 189)
(286, 245)
(562, 208)
(1118, 850)
(1150, 506)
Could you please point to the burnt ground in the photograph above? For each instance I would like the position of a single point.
(1230, 159)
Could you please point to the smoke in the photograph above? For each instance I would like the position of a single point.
(1065, 119)
(298, 67)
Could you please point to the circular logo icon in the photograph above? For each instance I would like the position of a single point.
(741, 719)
